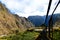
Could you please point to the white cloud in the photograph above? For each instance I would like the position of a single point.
(58, 9)
(30, 7)
(54, 3)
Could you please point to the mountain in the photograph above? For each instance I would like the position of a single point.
(39, 20)
(56, 20)
(36, 20)
(9, 22)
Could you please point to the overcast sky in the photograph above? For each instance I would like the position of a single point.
(26, 8)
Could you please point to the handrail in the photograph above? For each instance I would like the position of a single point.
(48, 10)
(50, 2)
(38, 38)
(51, 20)
(56, 7)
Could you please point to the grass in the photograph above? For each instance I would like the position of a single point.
(56, 35)
(28, 35)
(22, 36)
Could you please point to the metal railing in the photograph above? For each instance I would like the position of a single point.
(50, 25)
(51, 20)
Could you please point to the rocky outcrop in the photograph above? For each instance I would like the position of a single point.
(10, 22)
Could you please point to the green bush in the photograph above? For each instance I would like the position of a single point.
(56, 35)
(22, 36)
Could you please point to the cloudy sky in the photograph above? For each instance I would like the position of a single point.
(26, 8)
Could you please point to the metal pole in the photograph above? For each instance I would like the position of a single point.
(50, 1)
(51, 20)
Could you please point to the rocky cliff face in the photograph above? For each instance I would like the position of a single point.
(11, 22)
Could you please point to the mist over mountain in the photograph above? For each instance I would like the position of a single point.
(39, 20)
(9, 22)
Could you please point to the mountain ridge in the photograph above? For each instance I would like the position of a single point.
(9, 22)
(41, 19)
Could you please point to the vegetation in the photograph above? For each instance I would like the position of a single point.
(28, 35)
(22, 36)
(56, 35)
